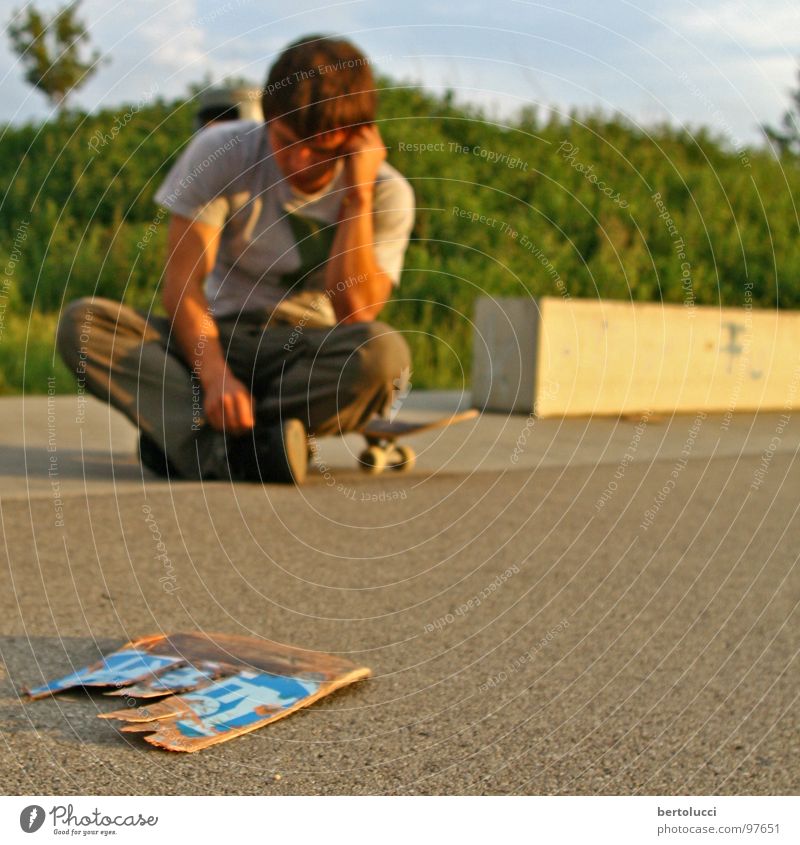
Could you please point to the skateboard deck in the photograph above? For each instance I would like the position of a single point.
(212, 687)
(382, 435)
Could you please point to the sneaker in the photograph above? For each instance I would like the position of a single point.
(153, 457)
(274, 453)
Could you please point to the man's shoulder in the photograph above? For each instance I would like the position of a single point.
(219, 161)
(240, 138)
(392, 188)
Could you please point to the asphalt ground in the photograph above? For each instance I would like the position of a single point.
(609, 609)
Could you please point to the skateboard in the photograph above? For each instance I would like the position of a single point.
(384, 451)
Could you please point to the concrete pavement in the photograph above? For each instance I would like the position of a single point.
(570, 606)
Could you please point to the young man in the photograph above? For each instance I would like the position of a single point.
(285, 241)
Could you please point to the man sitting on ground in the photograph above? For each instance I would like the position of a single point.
(285, 240)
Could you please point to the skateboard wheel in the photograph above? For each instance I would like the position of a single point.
(405, 459)
(373, 460)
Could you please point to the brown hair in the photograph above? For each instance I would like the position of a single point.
(319, 84)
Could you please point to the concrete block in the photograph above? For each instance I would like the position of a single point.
(607, 357)
(504, 354)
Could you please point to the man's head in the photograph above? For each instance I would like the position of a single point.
(318, 91)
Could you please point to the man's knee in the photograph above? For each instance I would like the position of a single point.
(74, 329)
(384, 357)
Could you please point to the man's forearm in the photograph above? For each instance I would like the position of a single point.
(357, 286)
(227, 403)
(192, 251)
(197, 335)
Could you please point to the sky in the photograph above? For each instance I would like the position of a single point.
(727, 64)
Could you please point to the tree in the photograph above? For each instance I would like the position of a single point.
(786, 137)
(49, 48)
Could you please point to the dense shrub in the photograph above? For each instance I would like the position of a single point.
(568, 207)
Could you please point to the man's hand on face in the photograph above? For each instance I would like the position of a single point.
(365, 152)
(228, 404)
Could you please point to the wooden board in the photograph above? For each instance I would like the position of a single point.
(392, 429)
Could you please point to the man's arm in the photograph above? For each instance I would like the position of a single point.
(193, 246)
(357, 286)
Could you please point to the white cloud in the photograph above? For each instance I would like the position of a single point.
(148, 42)
(621, 55)
(754, 25)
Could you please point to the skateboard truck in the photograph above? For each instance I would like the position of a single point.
(382, 453)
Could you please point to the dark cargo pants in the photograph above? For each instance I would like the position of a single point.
(333, 379)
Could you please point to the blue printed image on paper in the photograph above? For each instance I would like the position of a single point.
(119, 668)
(184, 677)
(233, 702)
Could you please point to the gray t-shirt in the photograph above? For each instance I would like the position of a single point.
(275, 240)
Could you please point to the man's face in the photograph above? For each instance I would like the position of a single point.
(308, 163)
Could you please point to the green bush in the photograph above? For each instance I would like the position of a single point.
(27, 355)
(86, 209)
